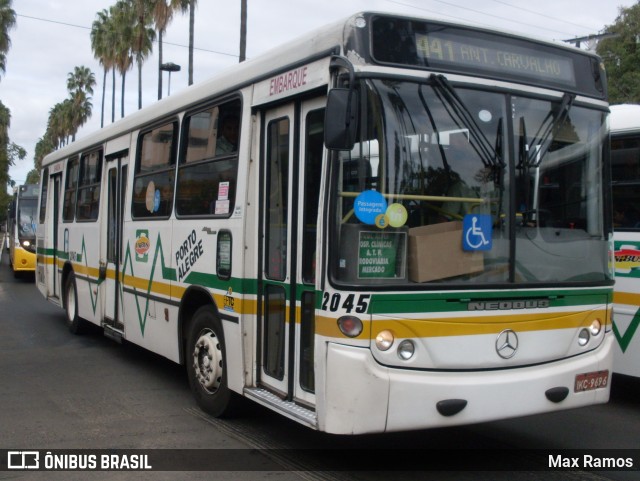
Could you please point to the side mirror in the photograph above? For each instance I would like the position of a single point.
(340, 125)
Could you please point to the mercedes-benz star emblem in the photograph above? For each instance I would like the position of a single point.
(507, 344)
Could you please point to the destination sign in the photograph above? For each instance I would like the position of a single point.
(440, 47)
(446, 48)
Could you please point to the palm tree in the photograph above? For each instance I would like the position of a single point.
(55, 125)
(162, 16)
(121, 16)
(7, 22)
(143, 37)
(80, 84)
(80, 80)
(43, 147)
(102, 46)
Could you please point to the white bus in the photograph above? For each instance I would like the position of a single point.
(393, 223)
(625, 187)
(21, 229)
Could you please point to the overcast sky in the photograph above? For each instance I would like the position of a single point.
(51, 37)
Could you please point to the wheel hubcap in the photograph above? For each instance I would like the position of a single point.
(207, 360)
(71, 303)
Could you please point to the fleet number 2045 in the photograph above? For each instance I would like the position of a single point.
(347, 302)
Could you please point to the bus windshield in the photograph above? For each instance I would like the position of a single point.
(458, 185)
(27, 218)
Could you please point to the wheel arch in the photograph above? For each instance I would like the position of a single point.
(193, 299)
(67, 270)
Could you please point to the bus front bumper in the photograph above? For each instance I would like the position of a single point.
(23, 260)
(363, 396)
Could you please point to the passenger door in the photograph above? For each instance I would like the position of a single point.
(51, 268)
(117, 169)
(292, 159)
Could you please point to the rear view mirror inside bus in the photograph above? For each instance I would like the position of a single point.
(340, 119)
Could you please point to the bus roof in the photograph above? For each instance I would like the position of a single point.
(312, 46)
(625, 118)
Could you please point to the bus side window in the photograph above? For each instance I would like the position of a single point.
(70, 186)
(625, 182)
(43, 196)
(209, 161)
(154, 174)
(89, 186)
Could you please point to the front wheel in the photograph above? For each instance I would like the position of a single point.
(207, 364)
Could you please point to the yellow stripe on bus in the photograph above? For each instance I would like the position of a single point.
(468, 326)
(628, 298)
(402, 328)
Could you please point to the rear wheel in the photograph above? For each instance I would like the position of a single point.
(74, 321)
(207, 364)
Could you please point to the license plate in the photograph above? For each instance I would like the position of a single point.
(589, 381)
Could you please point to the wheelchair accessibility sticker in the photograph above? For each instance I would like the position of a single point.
(477, 232)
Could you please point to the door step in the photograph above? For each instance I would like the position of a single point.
(112, 333)
(289, 409)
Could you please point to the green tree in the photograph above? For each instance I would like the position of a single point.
(33, 177)
(43, 147)
(9, 153)
(58, 124)
(7, 22)
(80, 84)
(621, 55)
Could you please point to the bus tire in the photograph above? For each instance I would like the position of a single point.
(207, 365)
(74, 322)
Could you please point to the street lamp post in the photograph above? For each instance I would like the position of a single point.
(169, 67)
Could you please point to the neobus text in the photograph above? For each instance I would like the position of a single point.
(507, 305)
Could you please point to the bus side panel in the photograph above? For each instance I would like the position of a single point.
(247, 248)
(626, 353)
(626, 309)
(150, 318)
(84, 254)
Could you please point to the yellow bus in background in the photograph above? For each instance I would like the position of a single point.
(21, 229)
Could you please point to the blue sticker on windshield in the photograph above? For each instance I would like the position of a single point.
(477, 232)
(369, 205)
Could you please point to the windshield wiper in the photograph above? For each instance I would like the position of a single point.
(542, 140)
(490, 156)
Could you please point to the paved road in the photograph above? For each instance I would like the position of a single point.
(59, 391)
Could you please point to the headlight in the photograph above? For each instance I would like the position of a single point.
(595, 327)
(406, 349)
(26, 243)
(583, 337)
(384, 340)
